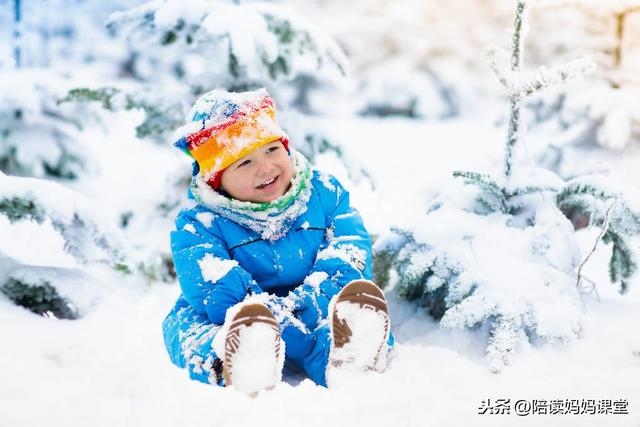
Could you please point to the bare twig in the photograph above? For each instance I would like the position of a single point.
(605, 226)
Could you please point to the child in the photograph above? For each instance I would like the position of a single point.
(272, 260)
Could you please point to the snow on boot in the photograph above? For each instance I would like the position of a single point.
(360, 327)
(253, 350)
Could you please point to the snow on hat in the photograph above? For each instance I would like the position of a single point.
(223, 127)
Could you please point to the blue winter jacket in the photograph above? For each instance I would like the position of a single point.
(326, 247)
(328, 237)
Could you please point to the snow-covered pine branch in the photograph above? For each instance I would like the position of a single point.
(499, 63)
(37, 137)
(50, 291)
(518, 86)
(544, 77)
(240, 46)
(86, 238)
(164, 112)
(252, 43)
(47, 289)
(491, 196)
(617, 216)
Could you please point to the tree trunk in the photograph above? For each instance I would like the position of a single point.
(617, 52)
(17, 34)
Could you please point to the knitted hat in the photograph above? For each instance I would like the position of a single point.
(223, 127)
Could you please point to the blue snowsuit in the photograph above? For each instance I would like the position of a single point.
(327, 240)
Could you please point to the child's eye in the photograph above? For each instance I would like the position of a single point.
(245, 163)
(272, 149)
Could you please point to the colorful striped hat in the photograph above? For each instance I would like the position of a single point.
(223, 127)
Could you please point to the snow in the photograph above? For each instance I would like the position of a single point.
(326, 181)
(110, 367)
(346, 252)
(118, 372)
(242, 28)
(21, 247)
(316, 278)
(214, 268)
(206, 218)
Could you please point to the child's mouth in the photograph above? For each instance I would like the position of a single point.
(268, 184)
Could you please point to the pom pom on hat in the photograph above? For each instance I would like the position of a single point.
(222, 127)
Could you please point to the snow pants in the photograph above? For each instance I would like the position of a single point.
(188, 336)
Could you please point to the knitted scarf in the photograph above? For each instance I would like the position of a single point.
(271, 220)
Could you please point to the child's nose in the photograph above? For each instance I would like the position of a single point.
(264, 166)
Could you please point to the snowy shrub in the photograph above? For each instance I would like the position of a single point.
(40, 298)
(38, 288)
(154, 264)
(24, 199)
(37, 137)
(163, 113)
(505, 258)
(499, 254)
(487, 260)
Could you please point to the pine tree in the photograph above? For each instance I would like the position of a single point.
(502, 257)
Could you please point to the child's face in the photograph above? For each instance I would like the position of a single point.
(261, 176)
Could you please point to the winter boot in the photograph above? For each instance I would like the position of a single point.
(253, 350)
(360, 327)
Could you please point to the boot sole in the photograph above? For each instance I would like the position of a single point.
(367, 296)
(250, 316)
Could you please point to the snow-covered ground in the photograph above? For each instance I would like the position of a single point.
(110, 367)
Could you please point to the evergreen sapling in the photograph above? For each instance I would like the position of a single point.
(497, 255)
